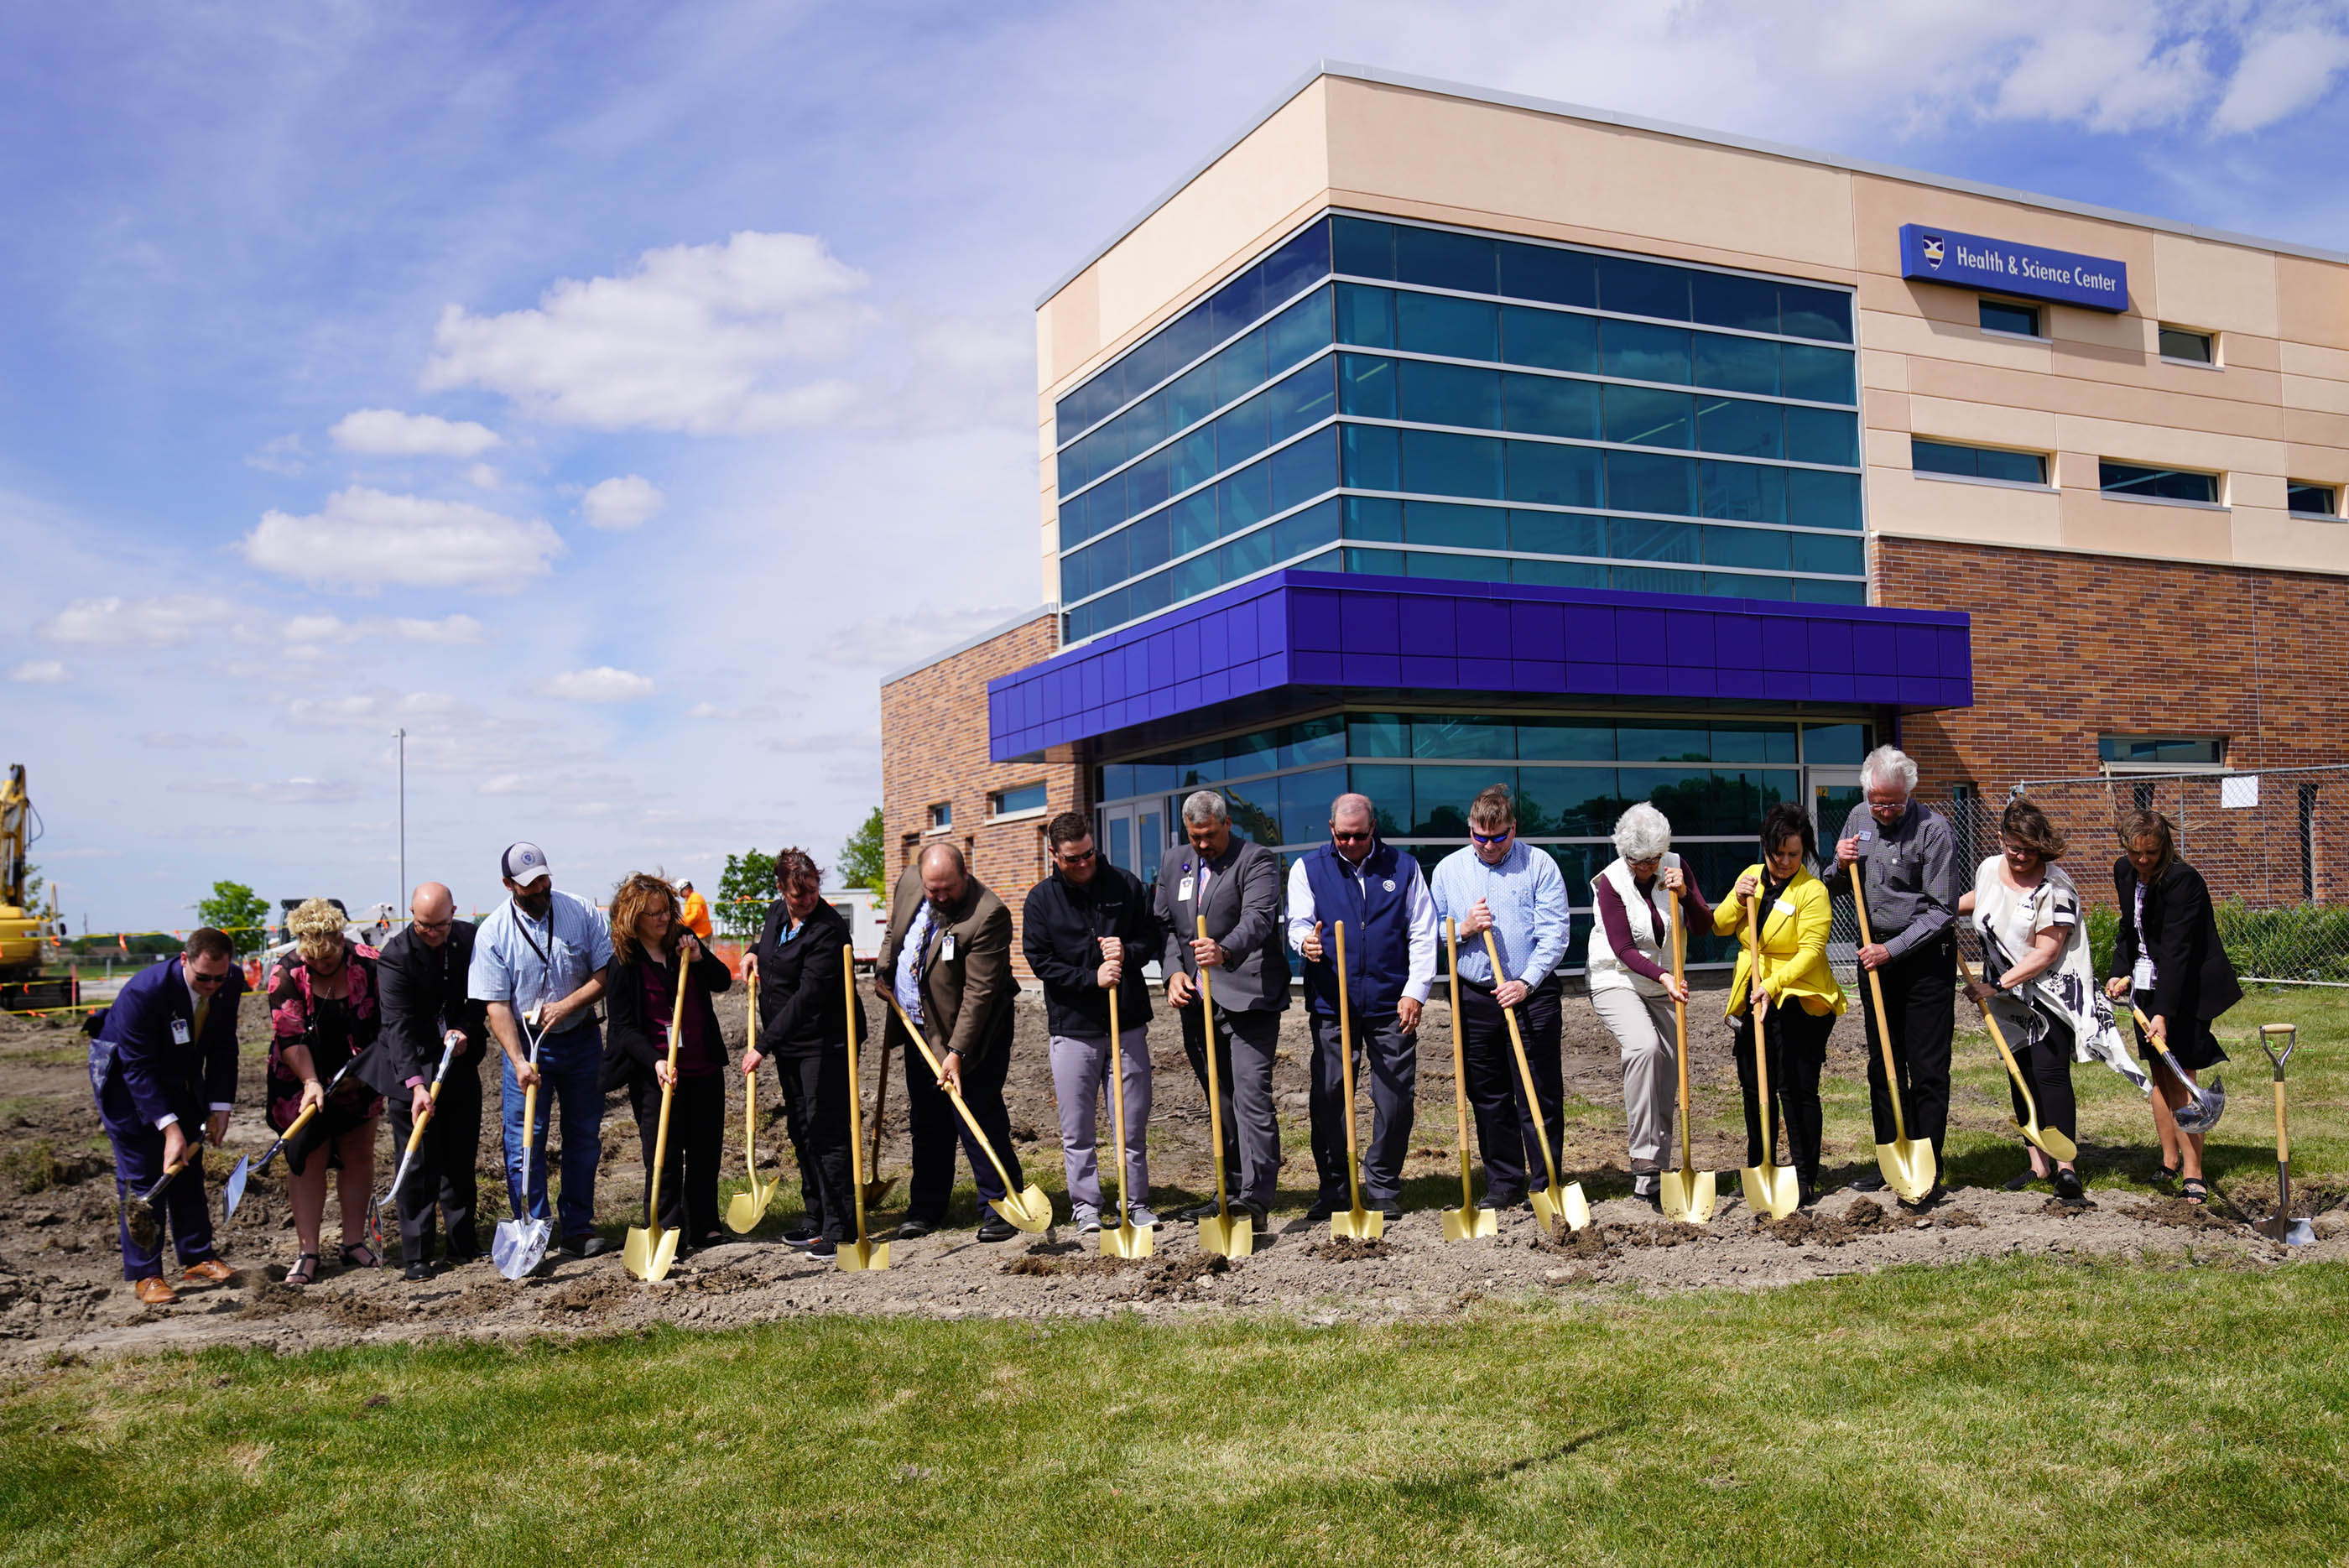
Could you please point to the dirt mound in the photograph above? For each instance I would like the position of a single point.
(2056, 1208)
(1815, 1227)
(1042, 1264)
(1346, 1249)
(271, 1299)
(596, 1296)
(2184, 1216)
(36, 1166)
(350, 1310)
(1177, 1279)
(1959, 1220)
(1590, 1242)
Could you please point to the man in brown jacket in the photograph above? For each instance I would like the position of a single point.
(946, 964)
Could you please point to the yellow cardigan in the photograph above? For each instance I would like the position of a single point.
(1793, 947)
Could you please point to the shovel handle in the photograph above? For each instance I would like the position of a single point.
(1524, 1064)
(1346, 1065)
(857, 1086)
(938, 1070)
(1116, 1107)
(1680, 1025)
(660, 1138)
(1883, 1018)
(1459, 1060)
(1215, 1081)
(1998, 1036)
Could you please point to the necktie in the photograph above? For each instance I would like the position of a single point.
(203, 1011)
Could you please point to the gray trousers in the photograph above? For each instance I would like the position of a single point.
(1644, 1028)
(1244, 1043)
(1080, 1080)
(1386, 1064)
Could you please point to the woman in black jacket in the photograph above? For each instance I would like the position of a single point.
(2169, 951)
(649, 940)
(801, 1010)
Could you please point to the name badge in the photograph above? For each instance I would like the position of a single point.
(946, 947)
(178, 1032)
(1387, 885)
(1782, 906)
(1183, 893)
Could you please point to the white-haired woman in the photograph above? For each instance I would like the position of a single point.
(323, 1013)
(1632, 983)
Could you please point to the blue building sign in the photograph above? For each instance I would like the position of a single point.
(1969, 261)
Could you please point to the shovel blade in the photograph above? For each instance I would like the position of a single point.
(745, 1210)
(2202, 1110)
(2291, 1232)
(232, 1191)
(1027, 1210)
(1357, 1225)
(857, 1256)
(1908, 1166)
(1228, 1235)
(1466, 1224)
(877, 1188)
(518, 1246)
(1772, 1190)
(1569, 1204)
(649, 1254)
(1688, 1196)
(2051, 1143)
(1126, 1241)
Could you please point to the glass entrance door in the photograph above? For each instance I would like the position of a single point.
(1134, 836)
(1834, 793)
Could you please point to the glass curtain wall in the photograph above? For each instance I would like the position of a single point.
(1571, 776)
(1391, 398)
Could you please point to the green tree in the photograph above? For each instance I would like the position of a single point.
(744, 890)
(235, 908)
(865, 859)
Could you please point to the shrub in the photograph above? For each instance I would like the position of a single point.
(2299, 941)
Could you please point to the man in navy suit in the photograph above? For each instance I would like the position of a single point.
(164, 1063)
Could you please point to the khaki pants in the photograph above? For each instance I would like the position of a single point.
(1644, 1028)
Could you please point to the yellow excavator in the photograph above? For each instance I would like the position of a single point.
(24, 932)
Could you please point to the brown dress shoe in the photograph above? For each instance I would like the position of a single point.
(212, 1271)
(154, 1292)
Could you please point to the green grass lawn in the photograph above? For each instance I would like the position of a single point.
(2025, 1410)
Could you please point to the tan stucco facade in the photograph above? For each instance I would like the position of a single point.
(2275, 407)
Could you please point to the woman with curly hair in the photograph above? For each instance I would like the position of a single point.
(322, 1013)
(649, 942)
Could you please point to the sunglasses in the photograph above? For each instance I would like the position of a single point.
(199, 977)
(1347, 837)
(1501, 837)
(1075, 858)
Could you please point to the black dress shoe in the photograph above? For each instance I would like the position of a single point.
(1322, 1209)
(593, 1247)
(1868, 1182)
(419, 1270)
(915, 1230)
(1392, 1209)
(1198, 1211)
(996, 1228)
(2068, 1187)
(1931, 1199)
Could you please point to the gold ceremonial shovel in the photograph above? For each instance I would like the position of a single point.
(1222, 1234)
(863, 1253)
(1686, 1194)
(1126, 1239)
(1770, 1188)
(1027, 1208)
(1467, 1222)
(1907, 1163)
(2053, 1144)
(1559, 1202)
(746, 1208)
(650, 1252)
(1356, 1222)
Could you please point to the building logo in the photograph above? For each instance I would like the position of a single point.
(1932, 247)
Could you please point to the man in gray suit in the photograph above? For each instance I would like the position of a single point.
(1236, 886)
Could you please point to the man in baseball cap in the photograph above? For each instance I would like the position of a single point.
(538, 962)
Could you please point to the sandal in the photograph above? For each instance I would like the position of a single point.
(359, 1255)
(2165, 1173)
(2194, 1191)
(303, 1271)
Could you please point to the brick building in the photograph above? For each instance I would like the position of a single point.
(1426, 437)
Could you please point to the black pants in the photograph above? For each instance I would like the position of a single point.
(1797, 1046)
(1505, 1128)
(1920, 995)
(2046, 1066)
(816, 1113)
(442, 1182)
(934, 1125)
(697, 1129)
(1386, 1067)
(1251, 1125)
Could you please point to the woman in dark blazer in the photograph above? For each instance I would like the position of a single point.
(649, 940)
(800, 1008)
(2169, 951)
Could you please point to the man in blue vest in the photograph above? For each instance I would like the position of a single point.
(163, 1069)
(1377, 891)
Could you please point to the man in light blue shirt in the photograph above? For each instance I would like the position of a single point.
(539, 960)
(1516, 892)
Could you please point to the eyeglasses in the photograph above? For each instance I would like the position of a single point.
(198, 976)
(1501, 837)
(1074, 856)
(1349, 838)
(433, 925)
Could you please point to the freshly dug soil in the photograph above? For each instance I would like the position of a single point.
(1346, 1250)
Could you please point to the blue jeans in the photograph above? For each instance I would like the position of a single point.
(571, 1070)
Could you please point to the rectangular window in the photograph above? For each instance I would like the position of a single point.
(1017, 801)
(1549, 339)
(2312, 500)
(1457, 329)
(2154, 751)
(941, 815)
(1550, 405)
(1976, 461)
(1645, 416)
(2177, 343)
(2005, 316)
(2156, 484)
(1438, 394)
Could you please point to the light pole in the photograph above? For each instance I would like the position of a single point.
(401, 736)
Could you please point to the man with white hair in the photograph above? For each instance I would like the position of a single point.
(1376, 892)
(1908, 853)
(1235, 886)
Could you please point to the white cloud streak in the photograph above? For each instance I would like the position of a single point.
(365, 539)
(165, 622)
(621, 503)
(38, 672)
(389, 433)
(601, 684)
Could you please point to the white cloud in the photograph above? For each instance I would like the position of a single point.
(750, 713)
(451, 629)
(319, 629)
(485, 477)
(699, 339)
(364, 538)
(505, 783)
(38, 672)
(601, 684)
(622, 502)
(113, 622)
(351, 709)
(2278, 76)
(387, 432)
(280, 454)
(886, 642)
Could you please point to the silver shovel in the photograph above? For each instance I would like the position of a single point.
(2205, 1103)
(2284, 1228)
(247, 1168)
(519, 1245)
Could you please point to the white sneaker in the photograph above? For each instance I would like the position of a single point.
(1141, 1215)
(1088, 1220)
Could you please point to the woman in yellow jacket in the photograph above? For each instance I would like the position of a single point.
(1800, 998)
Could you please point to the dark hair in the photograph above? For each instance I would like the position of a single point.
(1786, 820)
(2152, 824)
(635, 897)
(207, 942)
(1492, 808)
(2028, 825)
(794, 866)
(1067, 828)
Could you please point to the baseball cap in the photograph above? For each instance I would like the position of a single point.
(523, 864)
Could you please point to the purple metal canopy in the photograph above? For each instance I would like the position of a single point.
(1327, 629)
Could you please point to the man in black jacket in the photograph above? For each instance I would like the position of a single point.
(425, 1005)
(796, 963)
(1087, 930)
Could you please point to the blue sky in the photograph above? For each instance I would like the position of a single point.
(609, 394)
